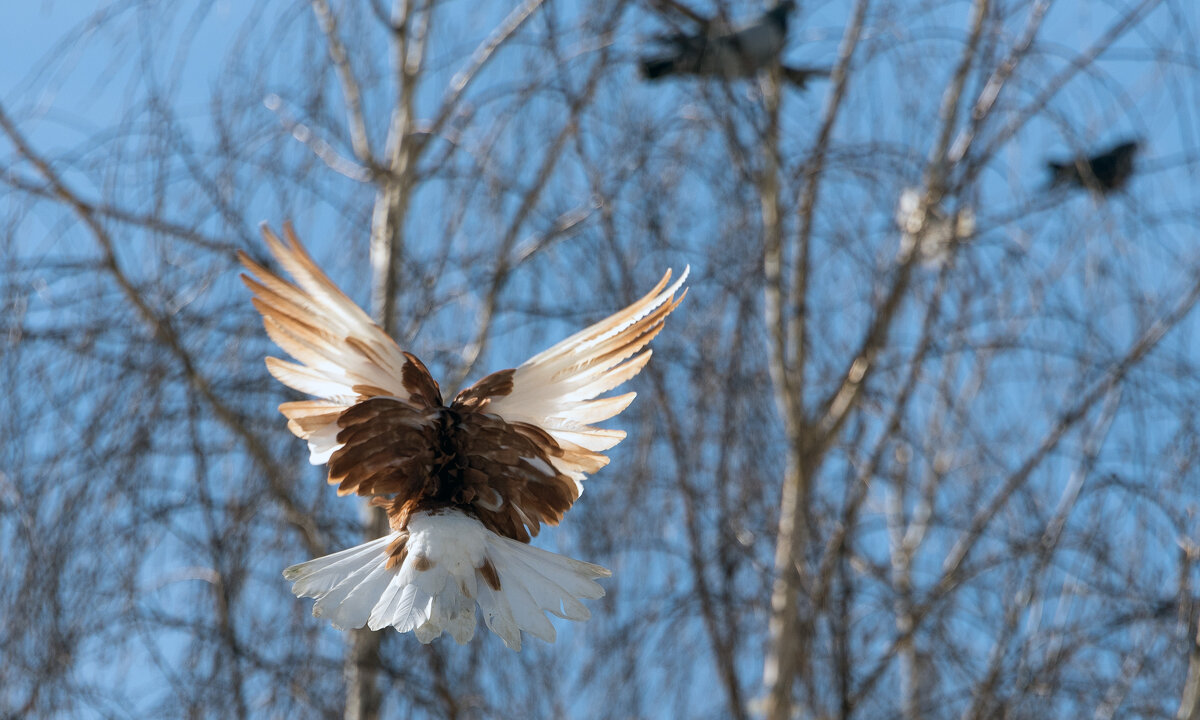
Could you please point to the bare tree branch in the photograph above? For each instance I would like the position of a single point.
(360, 141)
(165, 332)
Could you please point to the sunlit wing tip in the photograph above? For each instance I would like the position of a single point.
(657, 290)
(660, 294)
(245, 259)
(687, 270)
(256, 270)
(289, 232)
(292, 255)
(292, 261)
(662, 283)
(675, 303)
(249, 282)
(301, 253)
(311, 279)
(289, 253)
(274, 244)
(268, 286)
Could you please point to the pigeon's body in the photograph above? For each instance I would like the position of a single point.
(731, 54)
(1103, 173)
(465, 484)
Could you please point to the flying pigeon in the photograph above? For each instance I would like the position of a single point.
(465, 484)
(741, 52)
(1104, 173)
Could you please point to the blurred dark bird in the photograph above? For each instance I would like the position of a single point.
(1103, 173)
(717, 52)
(799, 76)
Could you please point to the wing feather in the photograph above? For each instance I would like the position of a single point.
(556, 389)
(343, 357)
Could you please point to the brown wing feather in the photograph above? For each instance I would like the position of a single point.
(513, 459)
(419, 382)
(387, 448)
(557, 390)
(423, 458)
(342, 355)
(476, 397)
(522, 488)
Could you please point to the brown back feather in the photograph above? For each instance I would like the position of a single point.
(420, 383)
(477, 396)
(417, 455)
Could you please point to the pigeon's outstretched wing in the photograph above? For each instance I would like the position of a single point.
(556, 390)
(344, 357)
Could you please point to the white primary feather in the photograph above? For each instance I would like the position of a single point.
(353, 587)
(556, 389)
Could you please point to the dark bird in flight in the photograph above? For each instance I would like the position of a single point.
(1103, 173)
(719, 52)
(465, 484)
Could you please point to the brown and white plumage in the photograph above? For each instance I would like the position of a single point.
(465, 484)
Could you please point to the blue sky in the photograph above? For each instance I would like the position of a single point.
(88, 86)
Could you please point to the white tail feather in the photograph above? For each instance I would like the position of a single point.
(353, 587)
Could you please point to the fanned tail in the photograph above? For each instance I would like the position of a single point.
(451, 563)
